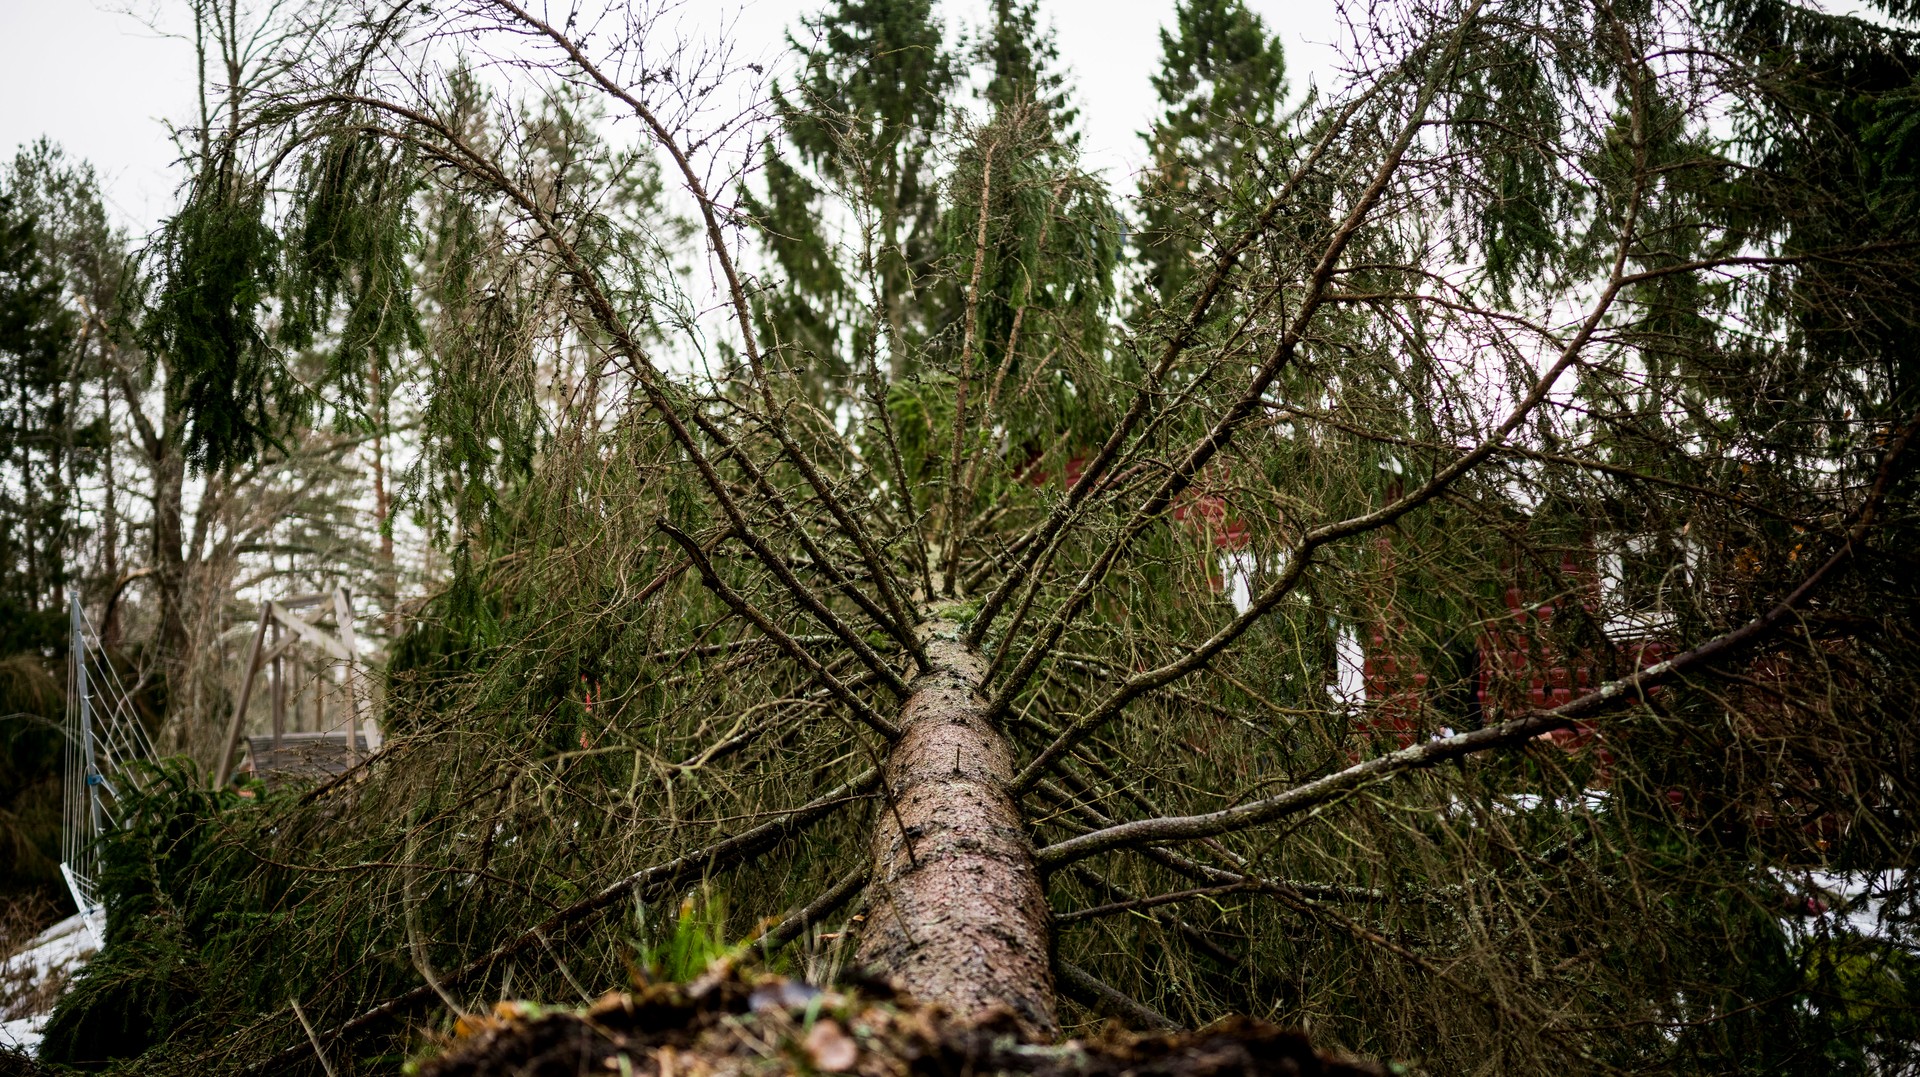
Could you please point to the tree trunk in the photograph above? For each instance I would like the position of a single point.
(169, 554)
(956, 911)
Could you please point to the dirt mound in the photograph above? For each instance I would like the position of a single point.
(725, 1024)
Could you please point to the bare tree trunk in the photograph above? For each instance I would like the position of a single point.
(957, 912)
(169, 553)
(109, 524)
(382, 501)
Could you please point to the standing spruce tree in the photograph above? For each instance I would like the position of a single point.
(43, 443)
(36, 434)
(1020, 60)
(861, 122)
(995, 728)
(1214, 149)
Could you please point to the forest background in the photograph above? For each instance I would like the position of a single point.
(656, 404)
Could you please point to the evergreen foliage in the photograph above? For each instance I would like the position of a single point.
(217, 264)
(1565, 348)
(1021, 63)
(353, 258)
(1034, 243)
(37, 434)
(60, 267)
(1222, 85)
(864, 115)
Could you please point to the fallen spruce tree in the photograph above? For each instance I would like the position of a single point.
(1438, 584)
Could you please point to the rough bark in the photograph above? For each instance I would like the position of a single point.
(169, 555)
(957, 914)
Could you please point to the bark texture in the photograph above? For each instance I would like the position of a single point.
(957, 915)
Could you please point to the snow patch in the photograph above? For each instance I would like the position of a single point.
(24, 1033)
(33, 978)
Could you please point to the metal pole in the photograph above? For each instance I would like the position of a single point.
(73, 778)
(81, 693)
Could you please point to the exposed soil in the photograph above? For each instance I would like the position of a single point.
(725, 1025)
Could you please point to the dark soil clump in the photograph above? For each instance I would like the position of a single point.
(724, 1025)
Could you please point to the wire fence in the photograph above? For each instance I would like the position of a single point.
(104, 737)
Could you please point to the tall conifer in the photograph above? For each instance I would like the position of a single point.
(1222, 84)
(1021, 61)
(863, 117)
(35, 428)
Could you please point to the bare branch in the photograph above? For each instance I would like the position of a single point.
(1513, 732)
(1102, 997)
(794, 649)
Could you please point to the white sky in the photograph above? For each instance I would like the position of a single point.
(99, 82)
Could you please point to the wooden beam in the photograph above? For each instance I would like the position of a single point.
(234, 728)
(343, 621)
(277, 694)
(275, 650)
(309, 632)
(300, 602)
(299, 630)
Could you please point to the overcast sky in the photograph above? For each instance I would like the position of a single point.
(99, 82)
